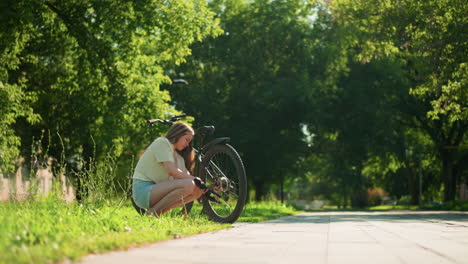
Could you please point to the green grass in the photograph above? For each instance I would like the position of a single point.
(449, 206)
(262, 211)
(50, 230)
(394, 207)
(372, 208)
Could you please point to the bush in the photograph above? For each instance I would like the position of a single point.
(359, 199)
(376, 196)
(404, 200)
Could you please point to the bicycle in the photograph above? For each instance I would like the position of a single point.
(221, 171)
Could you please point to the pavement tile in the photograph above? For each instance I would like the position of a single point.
(359, 253)
(317, 237)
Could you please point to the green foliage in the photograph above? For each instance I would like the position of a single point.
(249, 82)
(429, 35)
(393, 60)
(345, 72)
(49, 230)
(454, 96)
(14, 103)
(91, 70)
(334, 94)
(357, 122)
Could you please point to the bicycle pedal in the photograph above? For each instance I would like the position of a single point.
(213, 199)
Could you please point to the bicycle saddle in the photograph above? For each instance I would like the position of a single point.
(205, 130)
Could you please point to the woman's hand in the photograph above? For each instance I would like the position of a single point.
(197, 192)
(201, 187)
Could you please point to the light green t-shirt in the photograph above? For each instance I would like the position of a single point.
(150, 167)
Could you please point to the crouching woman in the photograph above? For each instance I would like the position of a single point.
(162, 179)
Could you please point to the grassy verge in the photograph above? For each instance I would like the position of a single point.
(262, 211)
(50, 230)
(449, 206)
(394, 207)
(372, 208)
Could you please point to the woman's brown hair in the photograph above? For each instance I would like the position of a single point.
(176, 131)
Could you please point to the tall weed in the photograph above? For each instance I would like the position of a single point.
(96, 178)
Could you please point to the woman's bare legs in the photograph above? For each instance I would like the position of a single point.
(171, 194)
(185, 200)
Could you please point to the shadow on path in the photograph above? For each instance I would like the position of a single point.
(362, 216)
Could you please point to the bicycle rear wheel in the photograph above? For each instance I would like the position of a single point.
(223, 172)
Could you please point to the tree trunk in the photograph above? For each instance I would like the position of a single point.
(259, 191)
(448, 175)
(412, 185)
(281, 189)
(344, 202)
(460, 170)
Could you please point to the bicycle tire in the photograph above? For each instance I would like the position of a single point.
(223, 171)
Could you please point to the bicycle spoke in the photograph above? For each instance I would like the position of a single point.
(224, 174)
(221, 172)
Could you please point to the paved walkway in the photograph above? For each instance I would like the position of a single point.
(326, 237)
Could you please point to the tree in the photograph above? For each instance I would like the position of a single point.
(430, 37)
(249, 82)
(95, 68)
(14, 101)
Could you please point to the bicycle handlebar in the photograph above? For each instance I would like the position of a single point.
(169, 121)
(177, 117)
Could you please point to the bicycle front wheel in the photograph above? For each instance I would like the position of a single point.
(223, 172)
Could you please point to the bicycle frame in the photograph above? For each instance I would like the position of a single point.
(200, 134)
